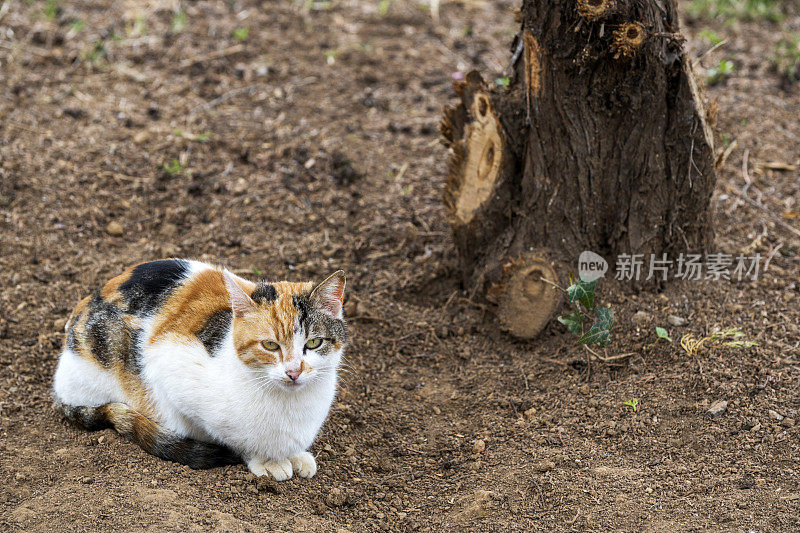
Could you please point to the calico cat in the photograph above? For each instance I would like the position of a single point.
(204, 368)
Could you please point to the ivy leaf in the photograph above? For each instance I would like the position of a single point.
(600, 332)
(573, 321)
(583, 292)
(662, 334)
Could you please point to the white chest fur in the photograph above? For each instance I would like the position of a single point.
(221, 399)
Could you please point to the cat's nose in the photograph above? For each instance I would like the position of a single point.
(294, 374)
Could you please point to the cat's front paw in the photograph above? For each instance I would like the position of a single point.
(304, 464)
(280, 470)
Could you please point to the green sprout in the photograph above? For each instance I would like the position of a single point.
(173, 168)
(241, 34)
(786, 59)
(51, 9)
(633, 403)
(661, 333)
(710, 36)
(720, 72)
(178, 21)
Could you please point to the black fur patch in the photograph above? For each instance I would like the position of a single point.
(151, 283)
(71, 344)
(264, 294)
(303, 305)
(106, 331)
(91, 418)
(317, 323)
(193, 453)
(214, 331)
(133, 357)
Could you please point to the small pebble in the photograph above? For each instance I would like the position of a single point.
(640, 317)
(544, 466)
(335, 497)
(775, 415)
(479, 446)
(115, 229)
(788, 422)
(718, 408)
(530, 413)
(676, 321)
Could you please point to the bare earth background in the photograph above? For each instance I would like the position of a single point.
(301, 137)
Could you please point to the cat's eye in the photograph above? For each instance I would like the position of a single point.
(314, 343)
(271, 346)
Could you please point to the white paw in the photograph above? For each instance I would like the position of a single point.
(280, 470)
(304, 465)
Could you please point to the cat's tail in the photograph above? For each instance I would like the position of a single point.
(153, 438)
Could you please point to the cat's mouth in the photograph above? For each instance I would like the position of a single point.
(293, 385)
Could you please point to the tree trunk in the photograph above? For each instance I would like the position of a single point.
(600, 143)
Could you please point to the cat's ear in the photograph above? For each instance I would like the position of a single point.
(329, 295)
(241, 303)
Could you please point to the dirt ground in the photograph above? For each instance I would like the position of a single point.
(302, 137)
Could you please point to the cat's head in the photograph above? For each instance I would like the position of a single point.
(291, 334)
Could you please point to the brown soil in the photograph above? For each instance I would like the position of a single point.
(312, 164)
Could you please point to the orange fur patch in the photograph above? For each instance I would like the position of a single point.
(83, 348)
(135, 390)
(275, 321)
(186, 310)
(78, 312)
(110, 291)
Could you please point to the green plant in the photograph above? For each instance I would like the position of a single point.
(383, 7)
(770, 10)
(257, 272)
(139, 27)
(719, 72)
(691, 344)
(95, 53)
(241, 34)
(178, 21)
(633, 403)
(200, 137)
(77, 25)
(503, 81)
(786, 59)
(51, 9)
(661, 333)
(710, 35)
(581, 294)
(330, 56)
(173, 168)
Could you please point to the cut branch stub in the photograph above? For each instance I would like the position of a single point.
(595, 9)
(628, 39)
(525, 303)
(478, 150)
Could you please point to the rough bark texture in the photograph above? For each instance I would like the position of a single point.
(600, 143)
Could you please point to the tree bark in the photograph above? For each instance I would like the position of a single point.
(600, 142)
